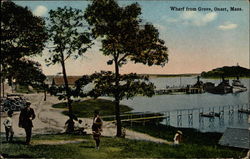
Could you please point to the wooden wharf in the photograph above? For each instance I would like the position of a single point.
(179, 90)
(186, 117)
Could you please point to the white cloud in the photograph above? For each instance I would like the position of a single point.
(209, 17)
(172, 20)
(227, 26)
(198, 19)
(189, 14)
(194, 18)
(40, 10)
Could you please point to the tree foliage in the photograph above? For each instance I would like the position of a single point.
(104, 85)
(68, 39)
(67, 35)
(123, 34)
(31, 75)
(22, 34)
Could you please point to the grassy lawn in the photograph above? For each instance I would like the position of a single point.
(201, 144)
(86, 108)
(23, 89)
(110, 148)
(190, 136)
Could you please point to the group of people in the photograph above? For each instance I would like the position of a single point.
(27, 115)
(25, 121)
(79, 129)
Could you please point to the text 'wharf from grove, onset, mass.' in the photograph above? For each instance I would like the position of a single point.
(205, 9)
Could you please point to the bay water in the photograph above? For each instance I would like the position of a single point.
(181, 106)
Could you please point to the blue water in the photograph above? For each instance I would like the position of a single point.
(207, 101)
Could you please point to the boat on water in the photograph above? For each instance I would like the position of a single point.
(237, 86)
(247, 111)
(222, 88)
(210, 115)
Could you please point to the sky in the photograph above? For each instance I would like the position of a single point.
(198, 40)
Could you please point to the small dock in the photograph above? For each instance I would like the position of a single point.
(142, 119)
(179, 90)
(210, 115)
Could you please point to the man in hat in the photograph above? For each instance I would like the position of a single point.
(177, 137)
(25, 121)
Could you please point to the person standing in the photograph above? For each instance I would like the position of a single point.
(25, 121)
(97, 128)
(8, 127)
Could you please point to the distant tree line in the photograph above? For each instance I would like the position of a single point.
(227, 71)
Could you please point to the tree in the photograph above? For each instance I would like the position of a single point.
(31, 75)
(124, 38)
(22, 34)
(68, 39)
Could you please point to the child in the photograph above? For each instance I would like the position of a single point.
(8, 127)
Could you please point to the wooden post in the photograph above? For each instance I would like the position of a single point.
(190, 117)
(179, 118)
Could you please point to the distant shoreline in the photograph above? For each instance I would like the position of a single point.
(167, 75)
(171, 75)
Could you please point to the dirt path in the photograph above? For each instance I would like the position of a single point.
(50, 120)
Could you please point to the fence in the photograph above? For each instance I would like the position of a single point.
(215, 118)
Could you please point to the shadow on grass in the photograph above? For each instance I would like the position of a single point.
(19, 142)
(17, 156)
(87, 146)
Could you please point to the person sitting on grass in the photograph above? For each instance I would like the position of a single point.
(8, 127)
(80, 127)
(69, 124)
(178, 137)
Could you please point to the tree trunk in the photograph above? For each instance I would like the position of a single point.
(118, 119)
(3, 87)
(117, 101)
(67, 90)
(0, 87)
(45, 95)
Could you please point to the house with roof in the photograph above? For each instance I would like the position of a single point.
(59, 81)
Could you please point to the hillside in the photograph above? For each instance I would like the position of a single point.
(227, 71)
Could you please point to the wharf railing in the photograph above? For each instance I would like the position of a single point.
(189, 117)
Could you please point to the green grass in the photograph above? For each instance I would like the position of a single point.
(86, 108)
(23, 89)
(194, 141)
(110, 148)
(190, 136)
